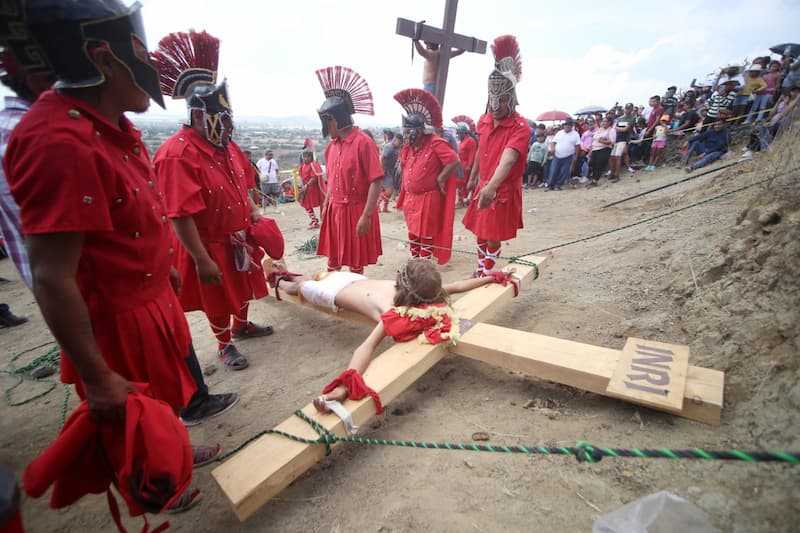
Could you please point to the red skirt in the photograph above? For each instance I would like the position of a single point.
(147, 343)
(218, 300)
(339, 242)
(313, 197)
(498, 222)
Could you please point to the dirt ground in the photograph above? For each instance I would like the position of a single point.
(721, 278)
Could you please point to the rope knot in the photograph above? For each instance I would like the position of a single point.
(585, 452)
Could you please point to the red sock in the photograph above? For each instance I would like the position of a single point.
(426, 247)
(481, 256)
(334, 268)
(312, 215)
(357, 270)
(413, 245)
(221, 328)
(240, 319)
(492, 254)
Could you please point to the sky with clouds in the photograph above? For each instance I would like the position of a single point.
(574, 53)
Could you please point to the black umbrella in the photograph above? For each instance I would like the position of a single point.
(792, 49)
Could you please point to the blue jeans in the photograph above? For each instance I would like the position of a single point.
(559, 171)
(760, 104)
(710, 157)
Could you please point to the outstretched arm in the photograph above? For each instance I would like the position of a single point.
(421, 50)
(457, 52)
(362, 356)
(465, 285)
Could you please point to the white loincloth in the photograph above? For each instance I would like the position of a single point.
(322, 290)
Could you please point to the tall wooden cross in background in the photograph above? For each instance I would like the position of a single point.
(445, 38)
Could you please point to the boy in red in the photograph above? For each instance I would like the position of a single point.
(312, 193)
(495, 211)
(428, 163)
(206, 177)
(351, 233)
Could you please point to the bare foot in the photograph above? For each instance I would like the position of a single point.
(338, 394)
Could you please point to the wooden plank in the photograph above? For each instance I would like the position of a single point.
(651, 373)
(580, 365)
(261, 470)
(408, 28)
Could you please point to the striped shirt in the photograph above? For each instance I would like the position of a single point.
(10, 226)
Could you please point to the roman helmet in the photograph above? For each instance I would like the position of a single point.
(66, 31)
(423, 112)
(464, 125)
(188, 63)
(506, 74)
(346, 93)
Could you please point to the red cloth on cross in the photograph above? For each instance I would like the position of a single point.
(352, 165)
(428, 212)
(209, 184)
(71, 170)
(356, 387)
(406, 327)
(501, 220)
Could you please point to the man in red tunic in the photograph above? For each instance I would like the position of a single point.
(428, 165)
(495, 211)
(467, 148)
(206, 177)
(351, 232)
(312, 193)
(94, 219)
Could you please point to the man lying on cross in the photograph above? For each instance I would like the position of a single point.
(415, 305)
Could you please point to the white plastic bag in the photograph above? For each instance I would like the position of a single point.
(662, 512)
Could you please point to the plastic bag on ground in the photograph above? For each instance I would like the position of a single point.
(662, 512)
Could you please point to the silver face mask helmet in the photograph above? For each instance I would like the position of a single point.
(503, 82)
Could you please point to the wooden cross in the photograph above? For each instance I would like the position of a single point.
(445, 38)
(649, 373)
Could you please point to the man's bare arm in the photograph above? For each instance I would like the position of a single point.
(456, 52)
(54, 260)
(187, 233)
(424, 52)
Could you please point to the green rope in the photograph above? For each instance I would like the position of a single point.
(308, 247)
(51, 359)
(582, 451)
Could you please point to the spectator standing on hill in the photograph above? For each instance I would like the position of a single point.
(669, 102)
(583, 153)
(604, 139)
(619, 153)
(752, 82)
(765, 96)
(563, 148)
(653, 119)
(537, 155)
(659, 142)
(268, 168)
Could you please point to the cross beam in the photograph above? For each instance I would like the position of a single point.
(265, 467)
(445, 38)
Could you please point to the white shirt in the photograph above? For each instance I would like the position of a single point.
(268, 169)
(566, 143)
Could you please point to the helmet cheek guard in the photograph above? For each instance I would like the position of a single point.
(337, 108)
(215, 106)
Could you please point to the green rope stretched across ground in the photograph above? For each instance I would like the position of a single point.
(583, 451)
(51, 358)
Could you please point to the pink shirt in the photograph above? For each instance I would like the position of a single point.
(608, 134)
(586, 139)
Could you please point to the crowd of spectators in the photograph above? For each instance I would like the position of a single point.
(585, 149)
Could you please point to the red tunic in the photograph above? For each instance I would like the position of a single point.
(466, 154)
(314, 192)
(210, 185)
(71, 170)
(503, 217)
(352, 164)
(428, 212)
